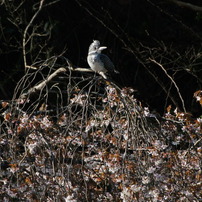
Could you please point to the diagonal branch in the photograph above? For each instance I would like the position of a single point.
(187, 5)
(42, 84)
(178, 90)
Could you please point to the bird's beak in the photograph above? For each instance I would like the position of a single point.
(102, 48)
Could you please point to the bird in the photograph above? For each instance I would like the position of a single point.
(99, 62)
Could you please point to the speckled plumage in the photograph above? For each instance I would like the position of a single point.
(97, 61)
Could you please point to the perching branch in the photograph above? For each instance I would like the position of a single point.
(41, 85)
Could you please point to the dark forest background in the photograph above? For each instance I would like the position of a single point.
(136, 32)
(68, 134)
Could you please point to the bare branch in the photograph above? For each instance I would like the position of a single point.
(26, 30)
(41, 85)
(187, 5)
(178, 91)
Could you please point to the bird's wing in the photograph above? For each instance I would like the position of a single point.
(109, 66)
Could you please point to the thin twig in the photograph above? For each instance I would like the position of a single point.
(26, 30)
(178, 90)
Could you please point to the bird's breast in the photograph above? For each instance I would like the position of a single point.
(95, 63)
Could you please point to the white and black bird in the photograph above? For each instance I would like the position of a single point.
(99, 62)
